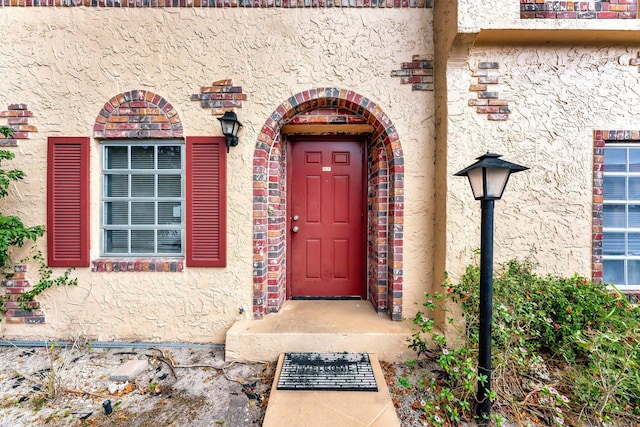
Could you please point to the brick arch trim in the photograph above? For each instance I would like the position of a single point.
(137, 114)
(385, 193)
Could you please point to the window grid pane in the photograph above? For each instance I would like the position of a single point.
(143, 199)
(621, 215)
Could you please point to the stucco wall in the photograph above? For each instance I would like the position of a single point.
(558, 95)
(67, 62)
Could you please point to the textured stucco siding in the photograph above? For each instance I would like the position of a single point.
(65, 63)
(557, 96)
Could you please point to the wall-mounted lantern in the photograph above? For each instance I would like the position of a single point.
(230, 126)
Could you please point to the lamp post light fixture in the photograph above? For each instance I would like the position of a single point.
(488, 178)
(230, 126)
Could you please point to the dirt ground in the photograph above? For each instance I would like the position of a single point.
(71, 386)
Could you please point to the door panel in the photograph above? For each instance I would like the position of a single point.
(326, 226)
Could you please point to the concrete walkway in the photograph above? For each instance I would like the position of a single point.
(331, 408)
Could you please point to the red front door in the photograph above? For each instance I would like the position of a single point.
(326, 218)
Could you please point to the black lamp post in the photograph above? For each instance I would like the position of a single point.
(230, 126)
(488, 178)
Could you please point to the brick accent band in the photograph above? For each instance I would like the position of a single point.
(17, 116)
(137, 265)
(418, 73)
(388, 4)
(221, 96)
(593, 9)
(486, 101)
(15, 285)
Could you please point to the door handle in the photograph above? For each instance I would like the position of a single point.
(295, 229)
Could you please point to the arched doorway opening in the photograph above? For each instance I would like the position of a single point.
(384, 188)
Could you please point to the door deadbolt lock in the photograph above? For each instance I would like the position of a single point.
(295, 217)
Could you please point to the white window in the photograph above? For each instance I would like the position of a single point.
(143, 198)
(621, 216)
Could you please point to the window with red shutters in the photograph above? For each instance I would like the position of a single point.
(68, 202)
(206, 202)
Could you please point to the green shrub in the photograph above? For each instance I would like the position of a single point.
(557, 341)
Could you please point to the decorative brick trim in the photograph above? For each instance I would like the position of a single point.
(14, 286)
(377, 248)
(221, 96)
(385, 195)
(487, 102)
(600, 137)
(276, 203)
(137, 114)
(328, 116)
(418, 73)
(17, 119)
(389, 4)
(137, 265)
(593, 9)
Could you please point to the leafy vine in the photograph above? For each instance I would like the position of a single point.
(13, 233)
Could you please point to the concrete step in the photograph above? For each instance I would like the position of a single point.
(319, 326)
(331, 408)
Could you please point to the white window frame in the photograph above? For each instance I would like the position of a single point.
(626, 286)
(104, 227)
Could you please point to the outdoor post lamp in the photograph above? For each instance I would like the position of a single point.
(230, 126)
(488, 178)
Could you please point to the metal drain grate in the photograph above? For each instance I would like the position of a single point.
(327, 372)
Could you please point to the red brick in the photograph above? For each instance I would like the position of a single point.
(484, 110)
(16, 283)
(475, 102)
(14, 291)
(411, 65)
(478, 88)
(18, 120)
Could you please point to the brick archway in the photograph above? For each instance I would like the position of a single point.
(385, 187)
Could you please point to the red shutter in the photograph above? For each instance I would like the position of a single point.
(68, 202)
(206, 171)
